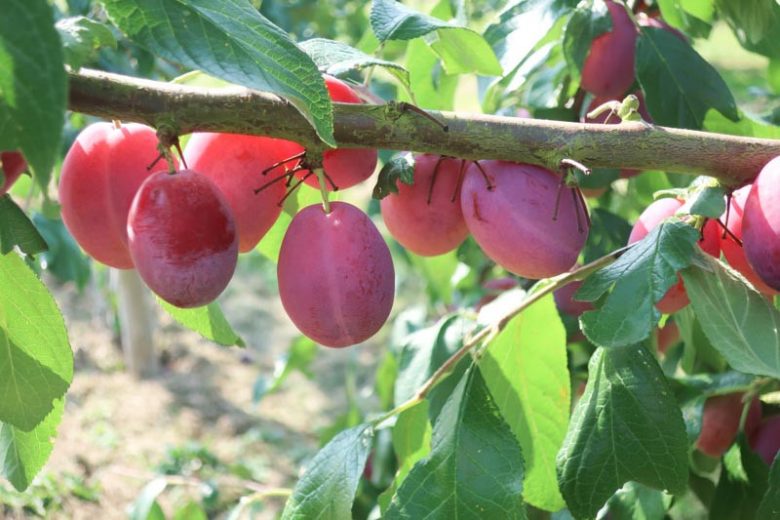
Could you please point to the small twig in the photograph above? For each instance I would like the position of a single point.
(408, 107)
(571, 163)
(490, 185)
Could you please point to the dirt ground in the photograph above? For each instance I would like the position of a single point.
(116, 429)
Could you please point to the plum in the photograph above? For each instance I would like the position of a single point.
(720, 422)
(13, 164)
(761, 225)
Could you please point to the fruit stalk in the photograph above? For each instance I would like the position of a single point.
(733, 160)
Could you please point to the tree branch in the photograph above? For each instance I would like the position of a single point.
(734, 160)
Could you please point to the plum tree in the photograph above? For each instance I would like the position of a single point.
(336, 276)
(101, 174)
(182, 238)
(720, 422)
(523, 218)
(345, 167)
(608, 69)
(12, 164)
(734, 250)
(766, 439)
(761, 224)
(426, 217)
(235, 162)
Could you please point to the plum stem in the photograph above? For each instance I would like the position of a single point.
(301, 156)
(433, 177)
(490, 185)
(461, 175)
(321, 176)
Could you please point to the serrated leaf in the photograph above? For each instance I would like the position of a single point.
(391, 20)
(627, 426)
(526, 369)
(588, 21)
(81, 37)
(209, 321)
(707, 201)
(337, 58)
(641, 277)
(229, 39)
(770, 504)
(23, 453)
(399, 168)
(36, 362)
(327, 489)
(33, 85)
(17, 230)
(739, 322)
(679, 85)
(475, 467)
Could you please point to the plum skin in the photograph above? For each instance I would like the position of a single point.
(345, 166)
(182, 238)
(735, 252)
(513, 222)
(13, 164)
(235, 163)
(761, 225)
(101, 174)
(608, 69)
(427, 229)
(675, 298)
(766, 439)
(336, 276)
(720, 422)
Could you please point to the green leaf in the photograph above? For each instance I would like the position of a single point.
(746, 126)
(33, 85)
(464, 51)
(433, 89)
(304, 196)
(641, 277)
(627, 426)
(437, 272)
(756, 24)
(770, 504)
(588, 21)
(338, 58)
(81, 37)
(475, 467)
(399, 168)
(391, 20)
(525, 368)
(17, 230)
(36, 362)
(229, 39)
(635, 501)
(707, 200)
(209, 321)
(679, 85)
(739, 322)
(23, 453)
(327, 489)
(190, 511)
(741, 486)
(64, 258)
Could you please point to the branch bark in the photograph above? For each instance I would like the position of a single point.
(733, 160)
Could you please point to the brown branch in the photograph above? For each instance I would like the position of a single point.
(734, 160)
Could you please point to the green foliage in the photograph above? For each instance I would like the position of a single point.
(741, 486)
(16, 230)
(525, 368)
(588, 21)
(475, 467)
(399, 168)
(741, 324)
(209, 321)
(642, 276)
(32, 85)
(231, 40)
(679, 85)
(328, 487)
(770, 504)
(81, 37)
(625, 427)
